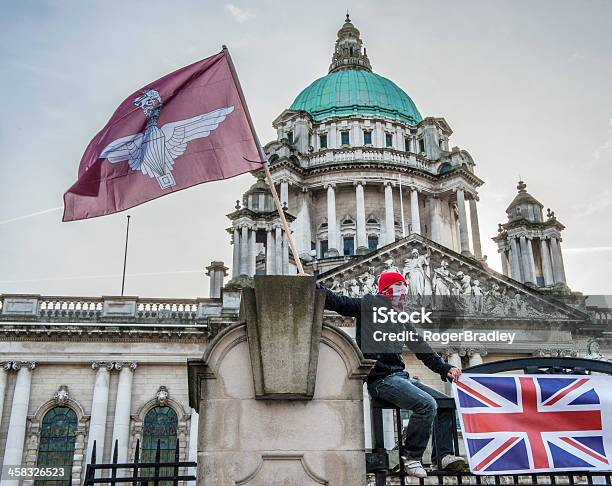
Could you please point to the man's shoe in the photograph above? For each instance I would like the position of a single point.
(453, 463)
(414, 468)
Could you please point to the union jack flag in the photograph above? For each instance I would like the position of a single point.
(533, 423)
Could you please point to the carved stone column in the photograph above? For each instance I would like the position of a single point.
(389, 216)
(525, 263)
(531, 261)
(99, 407)
(15, 437)
(123, 408)
(475, 229)
(546, 263)
(463, 229)
(236, 254)
(475, 356)
(332, 231)
(252, 252)
(557, 260)
(278, 249)
(414, 211)
(244, 250)
(361, 243)
(193, 439)
(4, 369)
(270, 252)
(504, 260)
(515, 260)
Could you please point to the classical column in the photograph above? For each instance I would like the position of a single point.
(463, 229)
(236, 254)
(515, 263)
(284, 193)
(557, 260)
(278, 249)
(414, 211)
(389, 216)
(475, 357)
(192, 454)
(546, 263)
(454, 359)
(504, 260)
(123, 408)
(362, 243)
(332, 232)
(4, 368)
(525, 263)
(285, 255)
(531, 261)
(475, 229)
(99, 407)
(304, 224)
(244, 250)
(270, 253)
(436, 218)
(252, 252)
(15, 436)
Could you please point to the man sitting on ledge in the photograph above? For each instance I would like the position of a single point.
(389, 382)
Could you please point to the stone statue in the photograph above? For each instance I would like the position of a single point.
(416, 272)
(594, 351)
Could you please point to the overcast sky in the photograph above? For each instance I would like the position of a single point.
(525, 85)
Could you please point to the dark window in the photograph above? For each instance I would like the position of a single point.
(323, 248)
(372, 221)
(323, 141)
(407, 144)
(388, 140)
(344, 138)
(367, 137)
(290, 137)
(421, 145)
(372, 242)
(160, 425)
(349, 245)
(57, 439)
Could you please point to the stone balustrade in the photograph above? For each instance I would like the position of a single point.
(66, 308)
(370, 155)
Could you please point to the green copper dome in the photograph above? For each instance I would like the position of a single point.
(356, 92)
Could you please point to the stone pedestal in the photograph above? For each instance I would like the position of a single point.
(245, 439)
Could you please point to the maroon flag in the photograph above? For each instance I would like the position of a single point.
(189, 127)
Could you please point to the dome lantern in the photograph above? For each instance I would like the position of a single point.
(348, 51)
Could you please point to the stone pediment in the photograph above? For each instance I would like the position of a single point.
(437, 275)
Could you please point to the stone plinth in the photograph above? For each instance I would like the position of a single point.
(283, 316)
(245, 440)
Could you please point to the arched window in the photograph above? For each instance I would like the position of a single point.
(57, 440)
(160, 425)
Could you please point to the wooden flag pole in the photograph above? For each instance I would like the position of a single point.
(277, 202)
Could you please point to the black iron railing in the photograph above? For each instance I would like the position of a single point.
(377, 461)
(139, 473)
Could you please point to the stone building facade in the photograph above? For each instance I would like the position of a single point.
(368, 185)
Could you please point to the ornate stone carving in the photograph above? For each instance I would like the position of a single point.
(162, 396)
(105, 364)
(61, 396)
(17, 365)
(594, 351)
(130, 364)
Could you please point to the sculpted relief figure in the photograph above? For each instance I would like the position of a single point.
(594, 351)
(416, 272)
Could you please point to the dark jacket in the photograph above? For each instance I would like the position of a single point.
(386, 364)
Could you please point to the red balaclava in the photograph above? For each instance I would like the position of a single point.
(394, 286)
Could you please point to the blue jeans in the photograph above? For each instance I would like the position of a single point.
(408, 394)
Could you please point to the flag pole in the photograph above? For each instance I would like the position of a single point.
(277, 202)
(127, 234)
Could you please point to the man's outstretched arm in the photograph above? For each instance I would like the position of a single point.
(345, 306)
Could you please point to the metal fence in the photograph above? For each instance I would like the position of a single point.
(137, 473)
(377, 461)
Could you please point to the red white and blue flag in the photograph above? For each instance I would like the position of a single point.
(534, 423)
